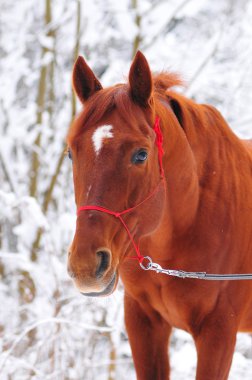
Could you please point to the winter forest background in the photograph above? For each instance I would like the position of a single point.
(47, 330)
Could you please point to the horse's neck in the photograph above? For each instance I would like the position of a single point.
(182, 184)
(198, 164)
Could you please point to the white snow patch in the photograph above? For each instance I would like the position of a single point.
(101, 133)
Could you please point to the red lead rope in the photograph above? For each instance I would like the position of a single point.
(159, 143)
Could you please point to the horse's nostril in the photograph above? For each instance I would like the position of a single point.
(103, 261)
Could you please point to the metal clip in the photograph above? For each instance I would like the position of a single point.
(156, 267)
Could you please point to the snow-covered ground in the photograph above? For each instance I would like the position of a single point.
(47, 330)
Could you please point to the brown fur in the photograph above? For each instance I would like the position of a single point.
(202, 222)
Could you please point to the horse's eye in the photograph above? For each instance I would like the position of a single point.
(69, 153)
(139, 157)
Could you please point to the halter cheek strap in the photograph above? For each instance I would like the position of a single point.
(118, 215)
(159, 143)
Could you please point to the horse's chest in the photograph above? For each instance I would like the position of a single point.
(180, 302)
(172, 308)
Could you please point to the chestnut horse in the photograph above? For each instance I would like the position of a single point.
(196, 216)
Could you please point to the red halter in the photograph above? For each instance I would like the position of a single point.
(159, 143)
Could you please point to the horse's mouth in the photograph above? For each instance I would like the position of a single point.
(107, 291)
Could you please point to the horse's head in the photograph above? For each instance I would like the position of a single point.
(115, 166)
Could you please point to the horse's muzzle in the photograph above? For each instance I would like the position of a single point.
(93, 275)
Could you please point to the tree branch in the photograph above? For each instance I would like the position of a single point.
(40, 107)
(171, 18)
(138, 37)
(48, 194)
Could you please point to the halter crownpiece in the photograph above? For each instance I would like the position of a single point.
(159, 143)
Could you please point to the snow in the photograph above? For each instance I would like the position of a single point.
(48, 330)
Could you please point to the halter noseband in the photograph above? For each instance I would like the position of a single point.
(159, 143)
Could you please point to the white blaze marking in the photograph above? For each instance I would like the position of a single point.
(88, 191)
(100, 135)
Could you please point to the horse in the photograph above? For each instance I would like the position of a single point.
(157, 175)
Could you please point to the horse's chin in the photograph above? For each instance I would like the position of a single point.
(110, 288)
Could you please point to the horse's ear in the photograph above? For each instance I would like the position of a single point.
(140, 80)
(85, 82)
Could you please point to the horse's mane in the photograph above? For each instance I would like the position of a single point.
(119, 97)
(197, 120)
(188, 113)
